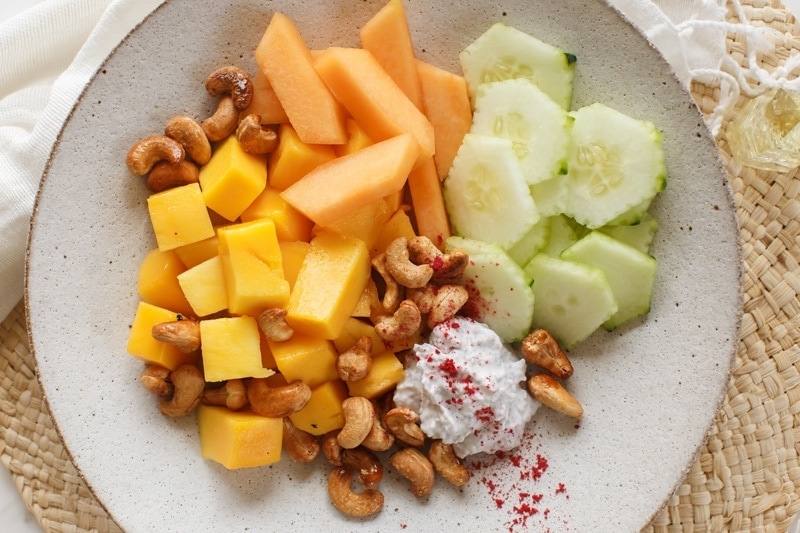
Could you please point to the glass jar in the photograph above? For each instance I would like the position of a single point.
(764, 134)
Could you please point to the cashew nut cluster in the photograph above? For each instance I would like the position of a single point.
(540, 348)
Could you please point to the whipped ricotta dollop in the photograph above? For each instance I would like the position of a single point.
(468, 388)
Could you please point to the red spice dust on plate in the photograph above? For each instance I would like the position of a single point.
(526, 494)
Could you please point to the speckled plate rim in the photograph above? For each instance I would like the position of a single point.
(31, 327)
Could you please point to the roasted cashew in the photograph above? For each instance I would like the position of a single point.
(401, 325)
(254, 138)
(541, 349)
(402, 423)
(355, 363)
(190, 134)
(150, 150)
(189, 385)
(446, 267)
(300, 445)
(165, 175)
(402, 269)
(415, 467)
(365, 503)
(277, 402)
(551, 393)
(359, 415)
(378, 439)
(273, 324)
(366, 463)
(445, 462)
(184, 333)
(234, 81)
(423, 297)
(232, 394)
(449, 299)
(222, 123)
(393, 293)
(331, 448)
(155, 379)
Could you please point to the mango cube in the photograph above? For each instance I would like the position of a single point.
(293, 158)
(307, 358)
(179, 216)
(398, 225)
(198, 252)
(158, 281)
(365, 223)
(386, 372)
(251, 262)
(231, 349)
(232, 179)
(290, 224)
(141, 343)
(239, 439)
(328, 286)
(353, 330)
(293, 254)
(368, 301)
(357, 139)
(323, 412)
(204, 287)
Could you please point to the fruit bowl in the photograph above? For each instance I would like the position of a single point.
(650, 389)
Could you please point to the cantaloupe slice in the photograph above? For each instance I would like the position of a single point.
(373, 99)
(265, 102)
(387, 37)
(339, 187)
(446, 102)
(288, 65)
(428, 202)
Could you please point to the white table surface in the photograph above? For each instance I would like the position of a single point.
(14, 517)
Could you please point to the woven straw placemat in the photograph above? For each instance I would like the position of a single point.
(747, 477)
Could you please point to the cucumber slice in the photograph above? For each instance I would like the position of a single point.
(562, 235)
(629, 272)
(485, 194)
(616, 163)
(631, 216)
(640, 235)
(500, 295)
(503, 52)
(531, 243)
(550, 196)
(538, 128)
(572, 299)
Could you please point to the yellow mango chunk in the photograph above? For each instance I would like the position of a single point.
(323, 412)
(386, 372)
(328, 286)
(357, 139)
(267, 360)
(309, 359)
(141, 343)
(238, 439)
(204, 287)
(290, 224)
(364, 223)
(231, 349)
(198, 252)
(158, 281)
(179, 216)
(368, 301)
(232, 179)
(353, 330)
(293, 254)
(398, 225)
(251, 262)
(293, 158)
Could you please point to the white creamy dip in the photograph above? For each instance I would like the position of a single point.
(468, 389)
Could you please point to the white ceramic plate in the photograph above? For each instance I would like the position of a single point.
(650, 390)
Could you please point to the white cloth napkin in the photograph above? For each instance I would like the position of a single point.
(51, 51)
